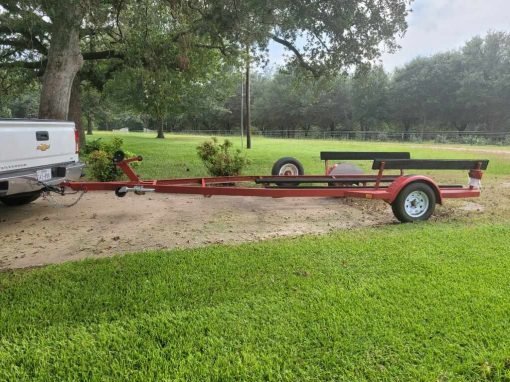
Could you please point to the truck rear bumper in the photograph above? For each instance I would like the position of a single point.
(26, 181)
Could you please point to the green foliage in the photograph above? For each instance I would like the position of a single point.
(221, 159)
(370, 98)
(100, 166)
(20, 94)
(98, 156)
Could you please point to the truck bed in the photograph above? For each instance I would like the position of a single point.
(33, 152)
(26, 144)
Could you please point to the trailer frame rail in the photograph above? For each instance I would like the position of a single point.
(377, 186)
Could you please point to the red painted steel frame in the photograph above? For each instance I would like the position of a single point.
(228, 186)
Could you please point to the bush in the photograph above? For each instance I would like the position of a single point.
(221, 159)
(382, 137)
(474, 140)
(441, 139)
(99, 159)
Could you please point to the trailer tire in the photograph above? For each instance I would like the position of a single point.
(20, 199)
(120, 193)
(287, 166)
(415, 202)
(118, 156)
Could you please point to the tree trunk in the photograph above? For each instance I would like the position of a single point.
(145, 122)
(461, 126)
(161, 133)
(89, 124)
(407, 128)
(247, 120)
(75, 109)
(307, 129)
(64, 59)
(363, 130)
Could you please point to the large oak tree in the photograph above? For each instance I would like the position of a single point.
(55, 37)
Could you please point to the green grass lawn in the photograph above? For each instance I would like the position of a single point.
(173, 156)
(427, 302)
(420, 302)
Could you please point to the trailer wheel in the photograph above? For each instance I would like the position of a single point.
(20, 199)
(118, 156)
(416, 202)
(120, 192)
(287, 166)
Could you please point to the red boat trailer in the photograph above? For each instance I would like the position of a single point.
(412, 197)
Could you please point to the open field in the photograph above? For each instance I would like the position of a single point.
(176, 155)
(414, 302)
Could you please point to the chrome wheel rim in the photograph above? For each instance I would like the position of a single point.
(289, 169)
(416, 204)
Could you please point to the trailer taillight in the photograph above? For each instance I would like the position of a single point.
(77, 141)
(475, 179)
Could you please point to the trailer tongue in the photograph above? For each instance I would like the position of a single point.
(412, 197)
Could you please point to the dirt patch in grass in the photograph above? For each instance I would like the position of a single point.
(102, 225)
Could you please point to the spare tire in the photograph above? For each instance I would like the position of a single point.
(287, 166)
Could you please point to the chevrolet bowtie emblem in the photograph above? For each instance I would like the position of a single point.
(43, 147)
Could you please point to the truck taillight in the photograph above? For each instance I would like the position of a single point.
(77, 141)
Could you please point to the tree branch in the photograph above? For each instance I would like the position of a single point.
(24, 64)
(41, 65)
(298, 55)
(221, 48)
(102, 55)
(10, 6)
(20, 44)
(25, 44)
(30, 41)
(13, 8)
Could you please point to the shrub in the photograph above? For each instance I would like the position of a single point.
(101, 167)
(221, 159)
(474, 140)
(382, 137)
(99, 159)
(441, 139)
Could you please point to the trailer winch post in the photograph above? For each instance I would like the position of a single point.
(127, 169)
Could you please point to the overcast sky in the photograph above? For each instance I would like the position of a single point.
(439, 25)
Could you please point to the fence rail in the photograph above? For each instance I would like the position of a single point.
(473, 137)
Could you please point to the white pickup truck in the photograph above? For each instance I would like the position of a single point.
(35, 154)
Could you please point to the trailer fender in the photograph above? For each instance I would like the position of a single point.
(399, 183)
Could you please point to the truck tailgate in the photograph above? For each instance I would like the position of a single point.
(33, 144)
